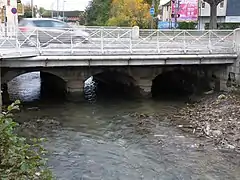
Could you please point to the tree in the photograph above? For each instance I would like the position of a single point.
(213, 15)
(44, 13)
(130, 13)
(27, 11)
(97, 12)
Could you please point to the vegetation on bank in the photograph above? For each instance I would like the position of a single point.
(20, 160)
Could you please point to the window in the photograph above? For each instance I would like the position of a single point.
(203, 5)
(59, 24)
(221, 4)
(43, 23)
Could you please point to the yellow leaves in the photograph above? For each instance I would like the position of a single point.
(129, 13)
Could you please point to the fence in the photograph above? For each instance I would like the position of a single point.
(116, 41)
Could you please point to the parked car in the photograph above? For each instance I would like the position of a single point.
(46, 30)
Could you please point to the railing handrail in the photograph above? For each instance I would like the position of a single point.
(117, 40)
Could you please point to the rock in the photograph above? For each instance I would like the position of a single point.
(209, 92)
(229, 146)
(216, 133)
(33, 108)
(222, 96)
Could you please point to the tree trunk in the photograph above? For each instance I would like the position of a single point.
(213, 16)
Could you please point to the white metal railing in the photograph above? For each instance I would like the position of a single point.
(116, 41)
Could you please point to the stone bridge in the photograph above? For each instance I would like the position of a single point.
(139, 59)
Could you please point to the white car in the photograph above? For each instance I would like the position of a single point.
(46, 30)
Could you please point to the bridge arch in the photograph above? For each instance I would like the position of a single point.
(113, 83)
(180, 82)
(47, 84)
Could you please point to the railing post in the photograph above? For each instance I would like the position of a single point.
(38, 42)
(102, 39)
(209, 41)
(158, 46)
(16, 41)
(118, 31)
(184, 42)
(236, 42)
(130, 45)
(71, 39)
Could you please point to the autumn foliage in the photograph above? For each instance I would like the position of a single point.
(119, 13)
(129, 13)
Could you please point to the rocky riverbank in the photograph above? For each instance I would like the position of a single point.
(216, 117)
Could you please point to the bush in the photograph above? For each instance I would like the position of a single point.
(229, 26)
(20, 160)
(187, 25)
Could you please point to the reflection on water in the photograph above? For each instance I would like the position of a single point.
(26, 87)
(98, 141)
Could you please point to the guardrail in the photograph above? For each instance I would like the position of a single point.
(117, 41)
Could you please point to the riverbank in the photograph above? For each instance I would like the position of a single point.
(216, 117)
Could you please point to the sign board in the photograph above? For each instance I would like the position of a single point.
(152, 11)
(186, 9)
(14, 10)
(166, 24)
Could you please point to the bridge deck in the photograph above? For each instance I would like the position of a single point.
(118, 41)
(124, 60)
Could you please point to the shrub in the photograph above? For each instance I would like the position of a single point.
(187, 25)
(20, 160)
(229, 26)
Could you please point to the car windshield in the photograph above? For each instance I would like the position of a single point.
(50, 23)
(43, 23)
(59, 24)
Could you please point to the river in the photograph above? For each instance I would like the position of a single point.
(100, 141)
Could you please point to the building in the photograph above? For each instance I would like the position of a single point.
(165, 10)
(233, 11)
(204, 13)
(69, 16)
(227, 11)
(12, 18)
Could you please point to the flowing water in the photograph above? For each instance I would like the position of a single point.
(100, 140)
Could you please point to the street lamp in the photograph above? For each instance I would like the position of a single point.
(32, 8)
(63, 10)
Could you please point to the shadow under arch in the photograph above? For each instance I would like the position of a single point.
(114, 84)
(32, 85)
(177, 83)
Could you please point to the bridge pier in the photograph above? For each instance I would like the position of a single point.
(5, 99)
(145, 87)
(223, 81)
(75, 89)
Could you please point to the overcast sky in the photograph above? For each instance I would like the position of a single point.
(68, 5)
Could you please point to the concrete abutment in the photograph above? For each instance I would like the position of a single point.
(145, 87)
(70, 81)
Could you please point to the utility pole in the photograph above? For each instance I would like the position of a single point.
(153, 6)
(5, 19)
(32, 7)
(57, 8)
(63, 10)
(176, 10)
